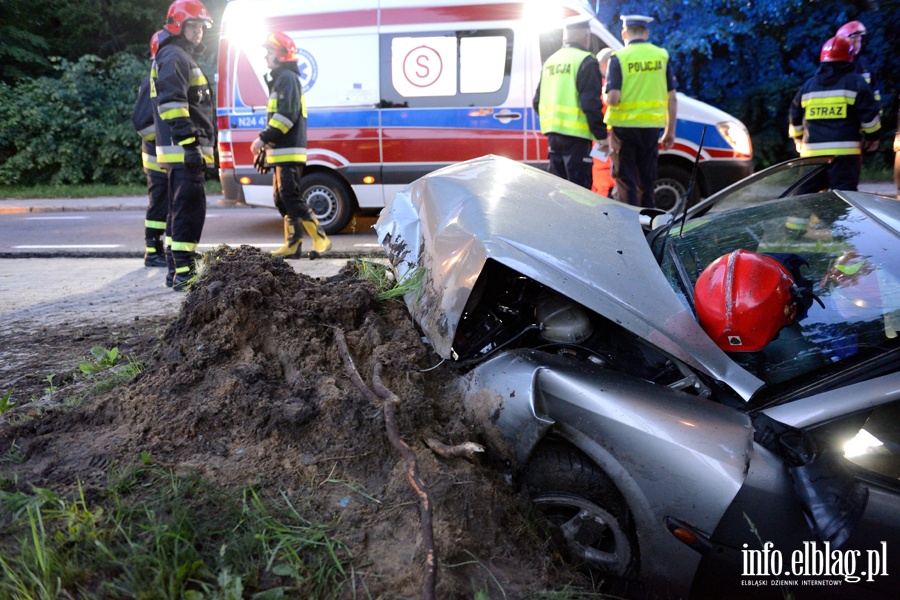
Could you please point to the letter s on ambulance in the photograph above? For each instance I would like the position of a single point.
(396, 89)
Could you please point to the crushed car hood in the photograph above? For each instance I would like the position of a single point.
(578, 243)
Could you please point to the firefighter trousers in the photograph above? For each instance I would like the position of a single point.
(187, 209)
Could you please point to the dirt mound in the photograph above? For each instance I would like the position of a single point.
(247, 386)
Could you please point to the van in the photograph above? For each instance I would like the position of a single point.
(396, 89)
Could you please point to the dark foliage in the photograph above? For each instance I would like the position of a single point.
(69, 71)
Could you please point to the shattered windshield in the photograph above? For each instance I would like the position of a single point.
(851, 268)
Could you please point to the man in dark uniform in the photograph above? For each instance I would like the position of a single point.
(184, 118)
(855, 31)
(835, 114)
(284, 140)
(570, 107)
(157, 179)
(641, 102)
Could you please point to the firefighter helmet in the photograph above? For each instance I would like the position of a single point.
(285, 49)
(743, 300)
(182, 11)
(837, 49)
(154, 44)
(850, 29)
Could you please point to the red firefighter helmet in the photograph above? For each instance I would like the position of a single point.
(743, 300)
(154, 44)
(182, 11)
(285, 49)
(850, 29)
(837, 49)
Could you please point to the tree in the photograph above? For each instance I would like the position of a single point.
(749, 57)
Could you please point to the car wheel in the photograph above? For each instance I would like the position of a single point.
(329, 198)
(671, 185)
(589, 519)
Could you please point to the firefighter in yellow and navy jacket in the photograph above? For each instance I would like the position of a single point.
(640, 102)
(855, 31)
(835, 114)
(157, 179)
(568, 103)
(284, 141)
(184, 118)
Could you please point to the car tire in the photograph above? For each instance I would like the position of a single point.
(328, 196)
(588, 516)
(671, 184)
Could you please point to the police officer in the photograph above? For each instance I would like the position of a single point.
(855, 31)
(284, 140)
(157, 180)
(569, 105)
(184, 118)
(640, 99)
(833, 111)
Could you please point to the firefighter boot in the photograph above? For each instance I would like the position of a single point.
(293, 239)
(321, 243)
(154, 255)
(170, 265)
(184, 270)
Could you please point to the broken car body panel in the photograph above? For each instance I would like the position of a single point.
(587, 247)
(524, 392)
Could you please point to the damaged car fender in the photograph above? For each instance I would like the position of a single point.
(650, 440)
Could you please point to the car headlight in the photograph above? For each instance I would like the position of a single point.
(736, 136)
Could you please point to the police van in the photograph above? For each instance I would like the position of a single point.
(396, 89)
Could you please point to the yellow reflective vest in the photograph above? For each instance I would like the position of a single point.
(644, 97)
(559, 109)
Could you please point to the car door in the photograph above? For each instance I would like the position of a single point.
(763, 546)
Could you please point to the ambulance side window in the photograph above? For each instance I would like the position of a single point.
(441, 69)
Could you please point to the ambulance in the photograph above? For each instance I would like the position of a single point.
(396, 89)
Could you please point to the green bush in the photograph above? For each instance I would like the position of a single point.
(75, 128)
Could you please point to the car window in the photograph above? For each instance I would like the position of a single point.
(870, 439)
(791, 180)
(852, 270)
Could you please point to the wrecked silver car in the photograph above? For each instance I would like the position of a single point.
(676, 456)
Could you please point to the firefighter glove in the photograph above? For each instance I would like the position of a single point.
(259, 163)
(193, 159)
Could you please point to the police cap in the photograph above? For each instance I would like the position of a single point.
(629, 20)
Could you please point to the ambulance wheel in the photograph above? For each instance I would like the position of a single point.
(671, 185)
(329, 198)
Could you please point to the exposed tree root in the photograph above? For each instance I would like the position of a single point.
(412, 473)
(466, 450)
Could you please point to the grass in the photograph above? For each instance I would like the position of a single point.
(158, 534)
(876, 172)
(213, 188)
(385, 283)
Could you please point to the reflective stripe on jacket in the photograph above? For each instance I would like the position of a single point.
(644, 97)
(142, 120)
(285, 132)
(559, 108)
(833, 111)
(182, 101)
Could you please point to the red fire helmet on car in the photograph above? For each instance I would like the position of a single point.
(182, 11)
(743, 300)
(837, 49)
(285, 49)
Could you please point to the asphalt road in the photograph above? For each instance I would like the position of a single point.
(114, 228)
